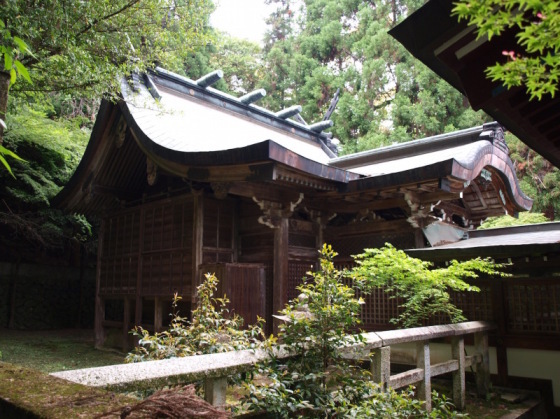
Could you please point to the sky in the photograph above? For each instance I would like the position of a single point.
(242, 18)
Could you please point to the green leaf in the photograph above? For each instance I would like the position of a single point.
(22, 70)
(23, 47)
(13, 76)
(7, 61)
(6, 165)
(6, 152)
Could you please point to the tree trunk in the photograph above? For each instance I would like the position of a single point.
(4, 90)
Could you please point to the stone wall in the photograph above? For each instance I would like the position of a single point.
(46, 297)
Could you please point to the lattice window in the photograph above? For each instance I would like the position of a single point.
(533, 306)
(475, 305)
(119, 259)
(296, 272)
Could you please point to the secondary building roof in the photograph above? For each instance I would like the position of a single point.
(505, 242)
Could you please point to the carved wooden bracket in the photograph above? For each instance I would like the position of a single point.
(220, 189)
(274, 212)
(420, 216)
(151, 171)
(120, 133)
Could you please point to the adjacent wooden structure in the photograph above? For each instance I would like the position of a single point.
(189, 179)
(451, 49)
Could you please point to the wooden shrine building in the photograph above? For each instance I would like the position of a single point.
(188, 180)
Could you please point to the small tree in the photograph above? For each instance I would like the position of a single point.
(315, 327)
(424, 291)
(211, 330)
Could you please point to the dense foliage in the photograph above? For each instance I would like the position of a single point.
(211, 330)
(82, 46)
(51, 148)
(315, 47)
(535, 63)
(423, 291)
(524, 218)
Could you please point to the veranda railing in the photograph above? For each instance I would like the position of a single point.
(215, 368)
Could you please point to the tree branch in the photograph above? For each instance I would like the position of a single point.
(109, 16)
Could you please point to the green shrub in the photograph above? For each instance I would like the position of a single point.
(211, 330)
(423, 290)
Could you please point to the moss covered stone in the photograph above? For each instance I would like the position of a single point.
(29, 393)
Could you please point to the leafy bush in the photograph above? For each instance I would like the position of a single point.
(509, 221)
(315, 327)
(395, 404)
(211, 330)
(318, 380)
(424, 291)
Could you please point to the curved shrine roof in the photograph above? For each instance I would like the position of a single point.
(188, 131)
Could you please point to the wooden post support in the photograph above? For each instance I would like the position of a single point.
(280, 270)
(482, 369)
(100, 334)
(99, 330)
(215, 391)
(458, 353)
(198, 231)
(158, 314)
(381, 366)
(126, 325)
(423, 361)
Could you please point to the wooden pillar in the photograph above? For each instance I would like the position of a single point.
(100, 334)
(198, 226)
(381, 366)
(99, 330)
(419, 238)
(280, 270)
(158, 314)
(500, 317)
(458, 353)
(483, 368)
(126, 325)
(139, 274)
(423, 361)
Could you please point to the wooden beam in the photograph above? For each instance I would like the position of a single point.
(360, 228)
(351, 207)
(476, 189)
(265, 191)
